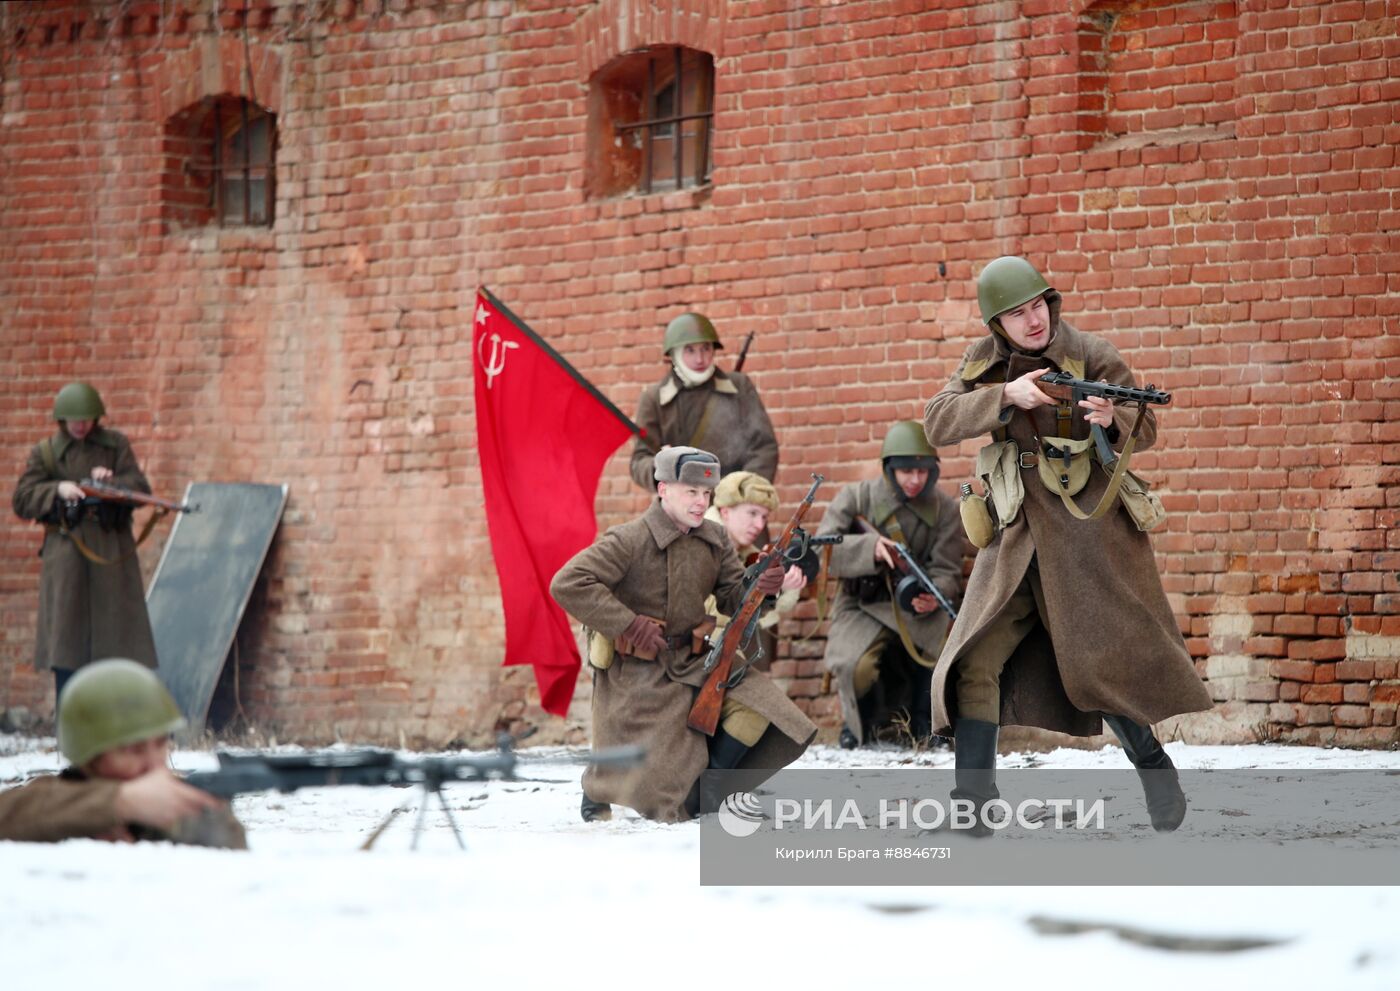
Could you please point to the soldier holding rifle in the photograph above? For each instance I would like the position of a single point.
(698, 404)
(91, 600)
(641, 589)
(1065, 624)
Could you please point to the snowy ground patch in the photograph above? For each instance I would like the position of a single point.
(539, 897)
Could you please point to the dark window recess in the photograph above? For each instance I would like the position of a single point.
(650, 115)
(220, 165)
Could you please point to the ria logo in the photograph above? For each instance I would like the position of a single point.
(740, 814)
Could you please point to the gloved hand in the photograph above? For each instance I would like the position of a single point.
(771, 581)
(645, 635)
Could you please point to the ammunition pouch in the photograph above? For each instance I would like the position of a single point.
(600, 651)
(699, 637)
(866, 589)
(1064, 464)
(1143, 505)
(999, 468)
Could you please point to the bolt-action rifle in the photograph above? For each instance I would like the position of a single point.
(106, 492)
(744, 352)
(719, 662)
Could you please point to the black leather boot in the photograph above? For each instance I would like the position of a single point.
(1161, 787)
(848, 739)
(595, 811)
(974, 763)
(725, 751)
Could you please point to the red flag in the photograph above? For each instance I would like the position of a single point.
(543, 433)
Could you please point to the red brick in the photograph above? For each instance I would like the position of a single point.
(1241, 254)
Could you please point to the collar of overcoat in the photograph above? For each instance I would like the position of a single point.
(889, 503)
(665, 532)
(720, 381)
(62, 440)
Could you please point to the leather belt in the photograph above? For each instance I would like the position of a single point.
(1027, 459)
(679, 640)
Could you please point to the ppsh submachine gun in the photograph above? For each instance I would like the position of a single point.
(241, 774)
(914, 581)
(1064, 386)
(803, 551)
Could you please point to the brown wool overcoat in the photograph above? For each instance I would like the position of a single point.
(87, 611)
(933, 531)
(70, 805)
(738, 432)
(1113, 644)
(648, 567)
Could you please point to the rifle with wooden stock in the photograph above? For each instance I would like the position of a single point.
(719, 662)
(104, 491)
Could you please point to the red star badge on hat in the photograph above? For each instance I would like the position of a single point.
(708, 473)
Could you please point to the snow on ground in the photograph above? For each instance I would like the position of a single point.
(540, 897)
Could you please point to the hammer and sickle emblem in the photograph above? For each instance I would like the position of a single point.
(496, 364)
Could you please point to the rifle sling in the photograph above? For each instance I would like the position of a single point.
(1115, 481)
(92, 555)
(902, 629)
(701, 428)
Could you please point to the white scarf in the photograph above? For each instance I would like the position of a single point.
(688, 378)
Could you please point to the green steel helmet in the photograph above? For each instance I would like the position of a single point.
(690, 328)
(111, 703)
(906, 439)
(907, 449)
(1005, 284)
(78, 401)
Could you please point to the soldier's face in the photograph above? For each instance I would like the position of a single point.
(911, 480)
(1028, 325)
(78, 429)
(744, 522)
(132, 760)
(685, 504)
(698, 357)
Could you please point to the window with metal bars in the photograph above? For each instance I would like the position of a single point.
(220, 165)
(651, 115)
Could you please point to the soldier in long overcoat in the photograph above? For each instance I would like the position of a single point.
(641, 587)
(91, 600)
(698, 404)
(870, 634)
(1066, 624)
(114, 724)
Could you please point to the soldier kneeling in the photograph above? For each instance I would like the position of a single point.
(114, 724)
(641, 587)
(880, 655)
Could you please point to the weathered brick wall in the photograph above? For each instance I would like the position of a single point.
(1212, 185)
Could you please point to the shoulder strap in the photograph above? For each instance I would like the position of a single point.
(46, 453)
(704, 425)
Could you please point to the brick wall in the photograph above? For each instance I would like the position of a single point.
(1212, 185)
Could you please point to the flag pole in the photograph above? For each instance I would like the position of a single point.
(560, 360)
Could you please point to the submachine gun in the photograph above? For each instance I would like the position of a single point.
(1064, 386)
(914, 581)
(240, 774)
